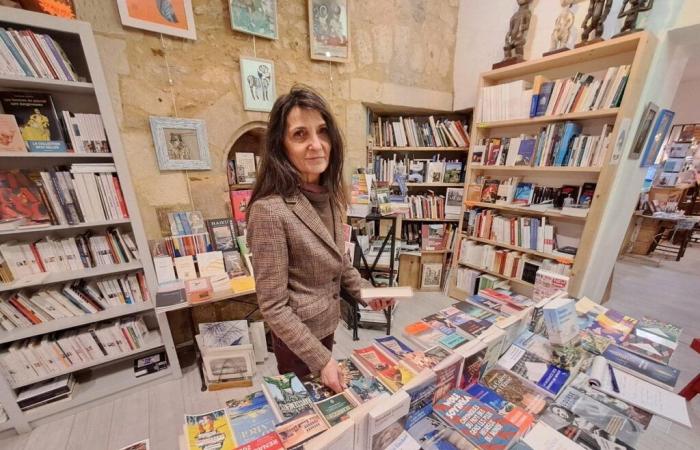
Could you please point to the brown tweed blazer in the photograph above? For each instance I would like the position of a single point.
(299, 271)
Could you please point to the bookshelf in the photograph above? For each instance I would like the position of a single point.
(100, 377)
(404, 135)
(635, 50)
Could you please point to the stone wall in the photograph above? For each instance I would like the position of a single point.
(402, 54)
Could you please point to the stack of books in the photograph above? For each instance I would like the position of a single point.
(35, 55)
(420, 132)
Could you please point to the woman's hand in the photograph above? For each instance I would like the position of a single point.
(381, 303)
(332, 377)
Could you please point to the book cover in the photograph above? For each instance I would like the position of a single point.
(452, 341)
(478, 422)
(543, 97)
(526, 151)
(474, 311)
(317, 390)
(395, 377)
(37, 120)
(534, 369)
(560, 320)
(439, 322)
(660, 374)
(613, 325)
(289, 395)
(647, 348)
(659, 331)
(366, 388)
(349, 370)
(20, 198)
(515, 390)
(373, 359)
(394, 346)
(473, 367)
(335, 409)
(512, 413)
(245, 168)
(300, 428)
(394, 437)
(10, 135)
(239, 204)
(448, 374)
(475, 327)
(580, 430)
(271, 441)
(140, 445)
(489, 191)
(523, 194)
(209, 430)
(599, 415)
(435, 170)
(453, 172)
(432, 433)
(587, 192)
(420, 391)
(223, 234)
(224, 334)
(251, 418)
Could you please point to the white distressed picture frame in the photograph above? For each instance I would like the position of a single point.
(160, 126)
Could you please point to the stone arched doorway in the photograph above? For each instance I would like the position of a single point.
(242, 162)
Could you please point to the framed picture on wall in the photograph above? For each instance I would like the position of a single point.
(258, 84)
(181, 144)
(329, 30)
(657, 137)
(643, 130)
(431, 276)
(172, 17)
(256, 17)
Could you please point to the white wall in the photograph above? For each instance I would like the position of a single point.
(482, 28)
(686, 105)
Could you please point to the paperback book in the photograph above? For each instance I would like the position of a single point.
(317, 390)
(432, 433)
(251, 418)
(37, 120)
(371, 359)
(335, 409)
(516, 391)
(534, 369)
(287, 395)
(664, 333)
(397, 349)
(514, 414)
(613, 325)
(300, 428)
(659, 374)
(209, 430)
(648, 348)
(476, 421)
(365, 389)
(579, 429)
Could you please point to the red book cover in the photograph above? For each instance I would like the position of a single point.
(128, 339)
(24, 311)
(20, 197)
(120, 197)
(40, 50)
(142, 285)
(37, 257)
(270, 441)
(373, 359)
(239, 204)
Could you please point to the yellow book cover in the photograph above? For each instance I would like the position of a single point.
(209, 431)
(242, 284)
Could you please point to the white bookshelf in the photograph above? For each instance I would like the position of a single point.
(110, 375)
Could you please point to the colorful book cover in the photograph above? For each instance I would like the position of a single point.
(317, 390)
(472, 369)
(429, 337)
(36, 118)
(366, 388)
(223, 234)
(300, 428)
(474, 311)
(439, 322)
(580, 430)
(427, 359)
(209, 431)
(373, 359)
(20, 198)
(535, 343)
(421, 399)
(647, 348)
(395, 377)
(270, 441)
(614, 325)
(289, 394)
(475, 327)
(660, 374)
(525, 152)
(453, 340)
(659, 331)
(489, 192)
(534, 369)
(10, 135)
(490, 305)
(349, 370)
(600, 415)
(335, 409)
(453, 172)
(587, 192)
(514, 414)
(448, 374)
(250, 418)
(478, 422)
(394, 346)
(431, 433)
(515, 390)
(239, 204)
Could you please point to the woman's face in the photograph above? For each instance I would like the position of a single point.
(307, 143)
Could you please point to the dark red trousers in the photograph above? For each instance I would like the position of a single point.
(288, 361)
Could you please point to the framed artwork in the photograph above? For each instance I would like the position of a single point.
(172, 17)
(228, 365)
(431, 276)
(657, 137)
(329, 30)
(258, 84)
(256, 17)
(643, 130)
(181, 144)
(58, 8)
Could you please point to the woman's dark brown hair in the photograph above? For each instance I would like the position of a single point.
(277, 174)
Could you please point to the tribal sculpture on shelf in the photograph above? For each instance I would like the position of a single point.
(562, 28)
(630, 14)
(517, 32)
(598, 11)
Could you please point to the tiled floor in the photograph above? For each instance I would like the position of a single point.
(670, 292)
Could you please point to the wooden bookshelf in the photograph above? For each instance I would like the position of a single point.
(407, 219)
(433, 185)
(419, 149)
(241, 186)
(491, 272)
(114, 373)
(634, 49)
(585, 115)
(564, 259)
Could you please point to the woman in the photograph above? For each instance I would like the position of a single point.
(295, 232)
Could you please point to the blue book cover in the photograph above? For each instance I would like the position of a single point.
(553, 379)
(543, 99)
(15, 52)
(571, 130)
(395, 347)
(534, 228)
(486, 395)
(185, 222)
(453, 340)
(421, 403)
(526, 151)
(250, 418)
(433, 434)
(533, 104)
(660, 374)
(523, 194)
